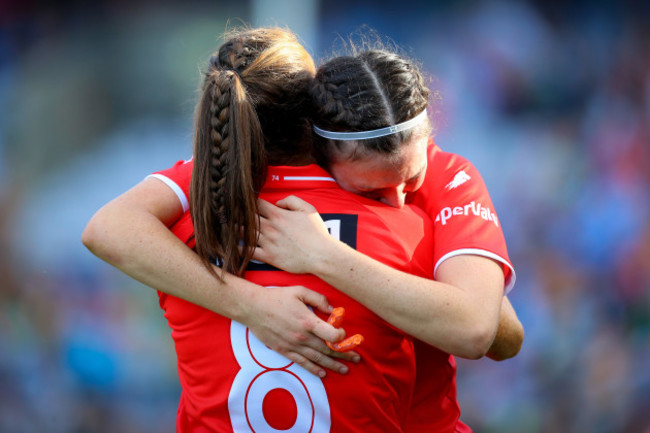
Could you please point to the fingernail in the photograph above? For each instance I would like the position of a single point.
(321, 373)
(356, 359)
(343, 370)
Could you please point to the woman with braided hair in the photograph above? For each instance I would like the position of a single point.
(372, 134)
(132, 231)
(250, 120)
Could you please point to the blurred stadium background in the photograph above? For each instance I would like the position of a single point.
(550, 99)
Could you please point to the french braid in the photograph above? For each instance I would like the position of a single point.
(369, 90)
(219, 124)
(255, 74)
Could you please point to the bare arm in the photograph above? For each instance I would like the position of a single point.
(131, 233)
(510, 334)
(458, 313)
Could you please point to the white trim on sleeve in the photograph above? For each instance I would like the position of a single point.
(177, 189)
(510, 282)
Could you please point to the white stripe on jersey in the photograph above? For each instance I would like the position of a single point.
(306, 178)
(177, 189)
(510, 282)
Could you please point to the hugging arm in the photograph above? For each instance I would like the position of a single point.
(131, 233)
(510, 334)
(458, 313)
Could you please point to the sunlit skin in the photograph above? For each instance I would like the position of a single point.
(387, 180)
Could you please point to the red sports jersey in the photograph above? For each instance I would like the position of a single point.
(455, 196)
(465, 222)
(232, 382)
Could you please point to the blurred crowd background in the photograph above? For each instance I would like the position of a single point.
(549, 99)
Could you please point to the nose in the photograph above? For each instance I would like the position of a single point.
(394, 197)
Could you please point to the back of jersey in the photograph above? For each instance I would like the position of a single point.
(375, 395)
(233, 382)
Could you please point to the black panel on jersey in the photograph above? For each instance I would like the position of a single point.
(348, 227)
(342, 226)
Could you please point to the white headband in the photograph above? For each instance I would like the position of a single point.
(365, 135)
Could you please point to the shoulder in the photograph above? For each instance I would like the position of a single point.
(448, 175)
(442, 164)
(178, 177)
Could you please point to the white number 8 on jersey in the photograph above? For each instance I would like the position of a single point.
(266, 375)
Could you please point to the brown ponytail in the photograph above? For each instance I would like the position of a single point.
(254, 74)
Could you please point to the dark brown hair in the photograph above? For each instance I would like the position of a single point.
(253, 111)
(368, 90)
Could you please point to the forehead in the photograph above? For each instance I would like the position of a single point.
(377, 171)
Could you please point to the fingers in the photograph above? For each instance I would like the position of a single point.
(260, 255)
(349, 355)
(327, 332)
(335, 319)
(265, 208)
(322, 360)
(316, 300)
(327, 357)
(292, 202)
(266, 229)
(263, 240)
(306, 364)
(318, 361)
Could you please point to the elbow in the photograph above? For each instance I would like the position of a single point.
(518, 341)
(90, 236)
(508, 344)
(512, 349)
(96, 239)
(479, 341)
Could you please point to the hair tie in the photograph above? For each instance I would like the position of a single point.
(214, 61)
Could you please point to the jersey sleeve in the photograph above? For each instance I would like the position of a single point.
(178, 178)
(465, 221)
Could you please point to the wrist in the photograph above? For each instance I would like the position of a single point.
(241, 300)
(330, 256)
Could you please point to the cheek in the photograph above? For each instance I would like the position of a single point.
(414, 185)
(418, 184)
(341, 176)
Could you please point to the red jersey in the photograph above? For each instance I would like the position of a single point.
(465, 222)
(232, 382)
(455, 197)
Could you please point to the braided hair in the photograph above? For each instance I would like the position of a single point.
(253, 111)
(369, 90)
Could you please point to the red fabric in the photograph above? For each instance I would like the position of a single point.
(225, 372)
(465, 221)
(456, 198)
